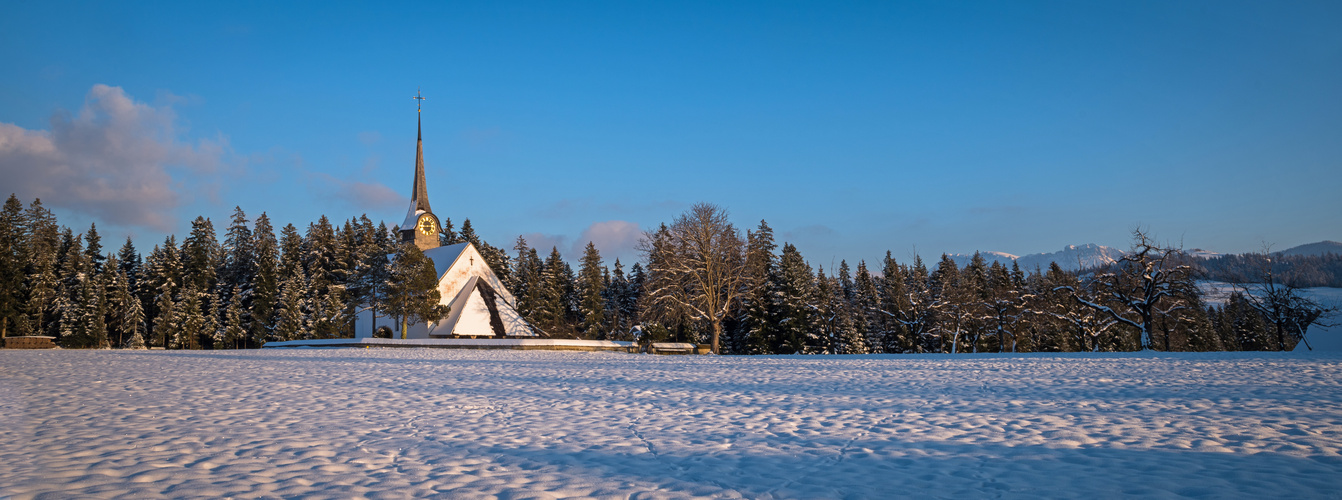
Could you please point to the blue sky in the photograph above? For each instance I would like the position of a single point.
(853, 128)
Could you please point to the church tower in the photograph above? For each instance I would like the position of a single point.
(420, 226)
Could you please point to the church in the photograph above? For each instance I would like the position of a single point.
(481, 306)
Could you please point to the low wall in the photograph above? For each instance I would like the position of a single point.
(34, 342)
(514, 344)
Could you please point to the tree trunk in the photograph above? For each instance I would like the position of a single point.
(717, 332)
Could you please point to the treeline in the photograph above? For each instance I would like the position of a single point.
(777, 303)
(203, 293)
(1303, 271)
(699, 280)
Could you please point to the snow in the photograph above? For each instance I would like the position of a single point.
(1202, 254)
(398, 423)
(1320, 338)
(1070, 258)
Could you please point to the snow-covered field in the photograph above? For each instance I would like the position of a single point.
(396, 423)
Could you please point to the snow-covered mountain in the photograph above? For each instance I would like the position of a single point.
(1071, 257)
(1202, 254)
(1320, 248)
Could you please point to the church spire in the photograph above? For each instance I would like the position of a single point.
(419, 197)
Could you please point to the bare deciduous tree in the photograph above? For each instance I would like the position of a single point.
(1282, 305)
(1148, 281)
(696, 268)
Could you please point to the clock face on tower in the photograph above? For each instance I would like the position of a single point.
(428, 226)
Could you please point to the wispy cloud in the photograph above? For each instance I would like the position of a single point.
(613, 238)
(572, 207)
(544, 242)
(113, 160)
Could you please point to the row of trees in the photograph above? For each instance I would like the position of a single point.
(700, 281)
(704, 282)
(201, 293)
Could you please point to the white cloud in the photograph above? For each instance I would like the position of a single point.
(112, 161)
(613, 238)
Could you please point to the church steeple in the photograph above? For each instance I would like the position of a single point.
(420, 227)
(419, 197)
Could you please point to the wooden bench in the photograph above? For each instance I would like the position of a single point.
(33, 342)
(671, 348)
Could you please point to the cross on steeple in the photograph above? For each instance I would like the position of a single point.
(419, 98)
(420, 225)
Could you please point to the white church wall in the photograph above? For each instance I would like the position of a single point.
(364, 326)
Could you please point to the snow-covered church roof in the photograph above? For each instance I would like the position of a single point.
(480, 303)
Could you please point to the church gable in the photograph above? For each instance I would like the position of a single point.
(480, 304)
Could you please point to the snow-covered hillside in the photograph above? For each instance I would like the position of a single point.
(1072, 257)
(400, 423)
(1320, 337)
(1319, 248)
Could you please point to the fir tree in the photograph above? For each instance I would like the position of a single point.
(41, 242)
(235, 331)
(551, 310)
(291, 321)
(191, 319)
(167, 330)
(93, 249)
(412, 294)
(757, 323)
(212, 331)
(71, 287)
(591, 288)
(867, 309)
(797, 332)
(11, 266)
(132, 319)
(130, 263)
(266, 285)
(201, 255)
(468, 234)
(447, 236)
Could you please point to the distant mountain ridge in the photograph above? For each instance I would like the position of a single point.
(1070, 258)
(1320, 248)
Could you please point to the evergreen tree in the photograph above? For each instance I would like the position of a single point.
(41, 249)
(239, 263)
(72, 324)
(131, 323)
(468, 234)
(130, 263)
(212, 332)
(201, 255)
(265, 293)
(796, 295)
(93, 249)
(291, 320)
(591, 289)
(951, 301)
(166, 330)
(191, 319)
(867, 309)
(11, 266)
(235, 331)
(412, 294)
(447, 236)
(619, 302)
(526, 280)
(757, 325)
(551, 310)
